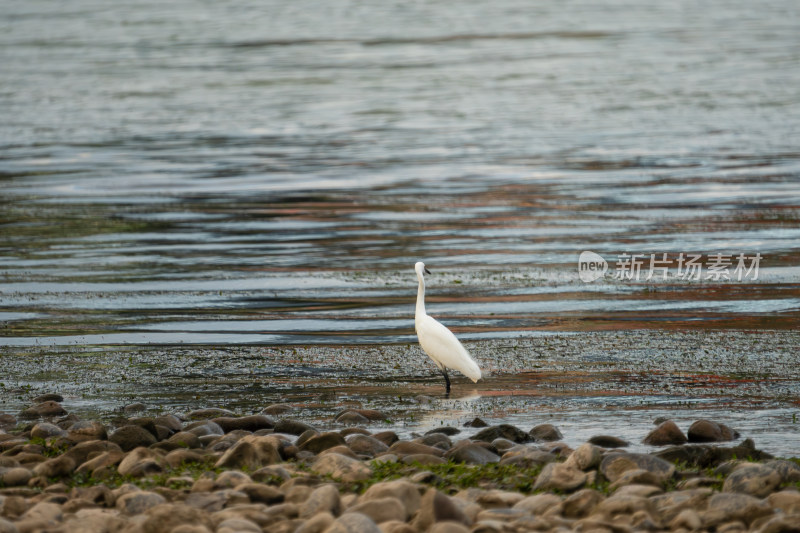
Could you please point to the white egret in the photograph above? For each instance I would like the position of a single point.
(439, 342)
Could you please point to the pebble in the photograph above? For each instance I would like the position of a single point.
(665, 434)
(306, 480)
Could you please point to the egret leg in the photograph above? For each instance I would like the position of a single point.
(446, 380)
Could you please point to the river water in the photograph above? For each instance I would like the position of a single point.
(229, 197)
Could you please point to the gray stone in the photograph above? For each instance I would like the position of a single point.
(437, 507)
(665, 434)
(323, 499)
(57, 467)
(212, 412)
(559, 476)
(87, 430)
(472, 453)
(446, 430)
(366, 445)
(15, 476)
(353, 523)
(539, 504)
(756, 480)
(246, 423)
(370, 414)
(710, 431)
(141, 462)
(204, 428)
(260, 493)
(137, 502)
(45, 430)
(581, 503)
(527, 457)
(608, 441)
(132, 436)
(504, 431)
(727, 506)
(322, 442)
(789, 471)
(317, 523)
(381, 510)
(614, 465)
(251, 452)
(584, 457)
(43, 410)
(292, 427)
(545, 432)
(341, 467)
(408, 493)
(169, 516)
(351, 418)
(476, 423)
(238, 525)
(276, 409)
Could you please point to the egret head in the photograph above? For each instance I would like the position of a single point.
(420, 268)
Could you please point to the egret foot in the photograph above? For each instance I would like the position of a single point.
(446, 380)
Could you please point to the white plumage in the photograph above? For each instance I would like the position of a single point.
(439, 342)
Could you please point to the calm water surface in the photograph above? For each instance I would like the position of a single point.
(241, 177)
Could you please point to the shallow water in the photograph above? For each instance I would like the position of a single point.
(224, 181)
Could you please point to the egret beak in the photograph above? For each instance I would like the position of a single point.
(427, 271)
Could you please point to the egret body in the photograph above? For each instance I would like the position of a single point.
(439, 342)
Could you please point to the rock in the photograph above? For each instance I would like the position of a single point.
(60, 466)
(351, 418)
(607, 441)
(90, 448)
(323, 499)
(408, 493)
(581, 503)
(212, 412)
(185, 439)
(624, 505)
(439, 440)
(366, 445)
(167, 516)
(353, 523)
(181, 457)
(665, 434)
(44, 430)
(341, 467)
(787, 501)
(321, 442)
(230, 479)
(132, 436)
(436, 507)
(48, 397)
(472, 454)
(706, 456)
(402, 448)
(237, 525)
(538, 504)
(86, 430)
(755, 479)
(43, 409)
(260, 493)
(276, 409)
(134, 408)
(789, 471)
(559, 476)
(584, 457)
(292, 427)
(7, 421)
(781, 524)
(317, 523)
(448, 527)
(446, 430)
(637, 476)
(499, 499)
(727, 506)
(15, 476)
(709, 431)
(139, 501)
(100, 462)
(545, 432)
(504, 431)
(476, 423)
(687, 519)
(140, 462)
(204, 428)
(251, 452)
(422, 459)
(387, 437)
(527, 458)
(93, 519)
(246, 423)
(615, 464)
(381, 510)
